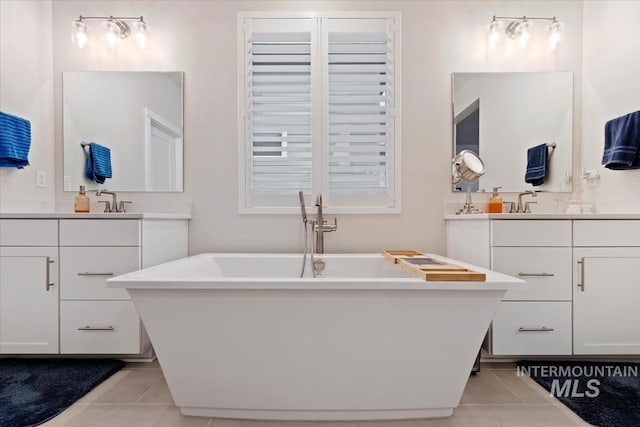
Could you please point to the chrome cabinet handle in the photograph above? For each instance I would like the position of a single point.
(536, 274)
(542, 329)
(87, 273)
(581, 277)
(48, 283)
(95, 328)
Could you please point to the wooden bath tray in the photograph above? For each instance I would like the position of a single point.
(432, 269)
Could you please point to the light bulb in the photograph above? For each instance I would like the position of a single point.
(524, 33)
(555, 33)
(113, 33)
(140, 34)
(79, 34)
(494, 33)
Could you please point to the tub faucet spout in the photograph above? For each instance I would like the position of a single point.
(322, 226)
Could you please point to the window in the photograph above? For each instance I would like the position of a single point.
(319, 99)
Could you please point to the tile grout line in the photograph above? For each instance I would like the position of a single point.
(150, 387)
(508, 388)
(491, 415)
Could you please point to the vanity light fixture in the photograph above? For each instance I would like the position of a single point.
(116, 29)
(519, 28)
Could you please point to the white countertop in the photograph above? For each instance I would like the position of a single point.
(94, 215)
(544, 216)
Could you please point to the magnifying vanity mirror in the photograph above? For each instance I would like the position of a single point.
(137, 115)
(467, 168)
(500, 116)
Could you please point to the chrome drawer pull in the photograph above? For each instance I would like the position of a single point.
(95, 328)
(581, 277)
(542, 329)
(47, 279)
(87, 273)
(536, 274)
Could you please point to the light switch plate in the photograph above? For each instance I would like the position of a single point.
(41, 179)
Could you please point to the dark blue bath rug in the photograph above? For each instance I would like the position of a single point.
(605, 394)
(33, 391)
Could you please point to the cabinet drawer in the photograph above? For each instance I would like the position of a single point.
(28, 232)
(606, 233)
(99, 327)
(532, 328)
(99, 232)
(84, 271)
(546, 270)
(530, 233)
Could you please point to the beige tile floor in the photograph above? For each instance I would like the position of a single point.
(137, 396)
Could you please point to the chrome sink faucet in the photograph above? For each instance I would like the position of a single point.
(114, 206)
(525, 208)
(321, 226)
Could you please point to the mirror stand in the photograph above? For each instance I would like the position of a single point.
(469, 207)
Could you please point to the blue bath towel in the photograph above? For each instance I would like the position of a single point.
(622, 142)
(15, 141)
(98, 163)
(536, 165)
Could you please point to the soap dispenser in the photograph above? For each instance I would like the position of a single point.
(81, 203)
(495, 202)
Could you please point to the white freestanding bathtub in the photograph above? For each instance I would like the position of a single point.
(242, 336)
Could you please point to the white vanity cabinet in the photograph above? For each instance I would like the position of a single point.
(536, 320)
(28, 286)
(68, 308)
(583, 286)
(606, 291)
(94, 318)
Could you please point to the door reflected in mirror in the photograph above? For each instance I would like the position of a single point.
(501, 115)
(137, 115)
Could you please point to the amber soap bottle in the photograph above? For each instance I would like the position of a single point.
(495, 202)
(81, 203)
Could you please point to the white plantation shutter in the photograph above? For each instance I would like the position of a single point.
(319, 113)
(359, 120)
(278, 109)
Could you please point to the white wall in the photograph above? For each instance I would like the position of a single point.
(199, 38)
(611, 69)
(26, 90)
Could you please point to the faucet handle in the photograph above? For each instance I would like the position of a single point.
(107, 205)
(527, 206)
(122, 207)
(512, 207)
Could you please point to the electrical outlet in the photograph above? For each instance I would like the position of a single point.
(67, 183)
(41, 179)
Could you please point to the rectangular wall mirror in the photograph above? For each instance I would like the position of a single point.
(137, 115)
(501, 115)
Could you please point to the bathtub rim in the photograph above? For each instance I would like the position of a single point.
(150, 278)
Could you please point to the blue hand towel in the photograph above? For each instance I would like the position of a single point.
(15, 141)
(536, 165)
(622, 142)
(98, 163)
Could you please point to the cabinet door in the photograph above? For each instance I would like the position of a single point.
(606, 294)
(28, 300)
